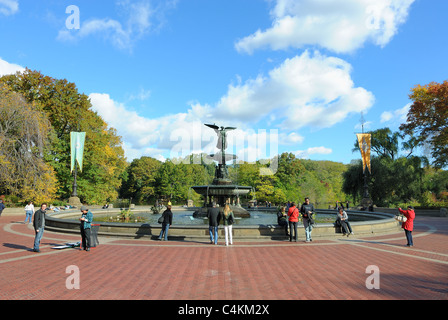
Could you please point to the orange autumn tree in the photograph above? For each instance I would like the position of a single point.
(427, 120)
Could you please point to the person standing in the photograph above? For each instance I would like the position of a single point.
(213, 223)
(86, 221)
(307, 211)
(2, 207)
(167, 222)
(228, 219)
(39, 226)
(293, 214)
(408, 225)
(29, 211)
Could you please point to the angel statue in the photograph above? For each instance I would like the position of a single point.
(221, 156)
(222, 135)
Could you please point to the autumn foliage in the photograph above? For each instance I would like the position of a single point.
(428, 120)
(37, 115)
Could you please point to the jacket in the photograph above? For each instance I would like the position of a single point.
(39, 219)
(213, 217)
(87, 224)
(409, 224)
(304, 210)
(293, 214)
(167, 217)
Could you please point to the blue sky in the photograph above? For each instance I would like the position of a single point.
(292, 75)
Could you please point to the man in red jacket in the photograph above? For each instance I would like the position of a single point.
(408, 226)
(293, 214)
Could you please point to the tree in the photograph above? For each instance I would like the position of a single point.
(68, 110)
(25, 136)
(427, 119)
(384, 143)
(391, 182)
(141, 180)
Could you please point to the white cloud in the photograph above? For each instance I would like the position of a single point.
(179, 135)
(310, 151)
(307, 90)
(396, 116)
(141, 18)
(337, 25)
(310, 90)
(9, 7)
(7, 68)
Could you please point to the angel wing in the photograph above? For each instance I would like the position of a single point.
(213, 126)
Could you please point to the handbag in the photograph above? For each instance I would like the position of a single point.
(401, 218)
(161, 219)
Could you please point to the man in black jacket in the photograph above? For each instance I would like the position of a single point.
(307, 211)
(167, 221)
(213, 222)
(39, 226)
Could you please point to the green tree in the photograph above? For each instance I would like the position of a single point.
(140, 184)
(391, 182)
(384, 143)
(68, 110)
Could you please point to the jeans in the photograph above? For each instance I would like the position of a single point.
(228, 233)
(213, 234)
(292, 226)
(29, 215)
(85, 236)
(38, 238)
(165, 228)
(308, 229)
(409, 237)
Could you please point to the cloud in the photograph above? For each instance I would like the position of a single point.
(341, 26)
(310, 90)
(310, 151)
(307, 90)
(396, 116)
(142, 17)
(179, 135)
(9, 7)
(7, 68)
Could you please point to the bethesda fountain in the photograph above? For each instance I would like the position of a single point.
(222, 190)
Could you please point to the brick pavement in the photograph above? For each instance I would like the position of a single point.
(131, 269)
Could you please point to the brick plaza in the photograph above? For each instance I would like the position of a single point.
(144, 269)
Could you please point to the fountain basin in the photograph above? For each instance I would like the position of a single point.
(222, 190)
(373, 224)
